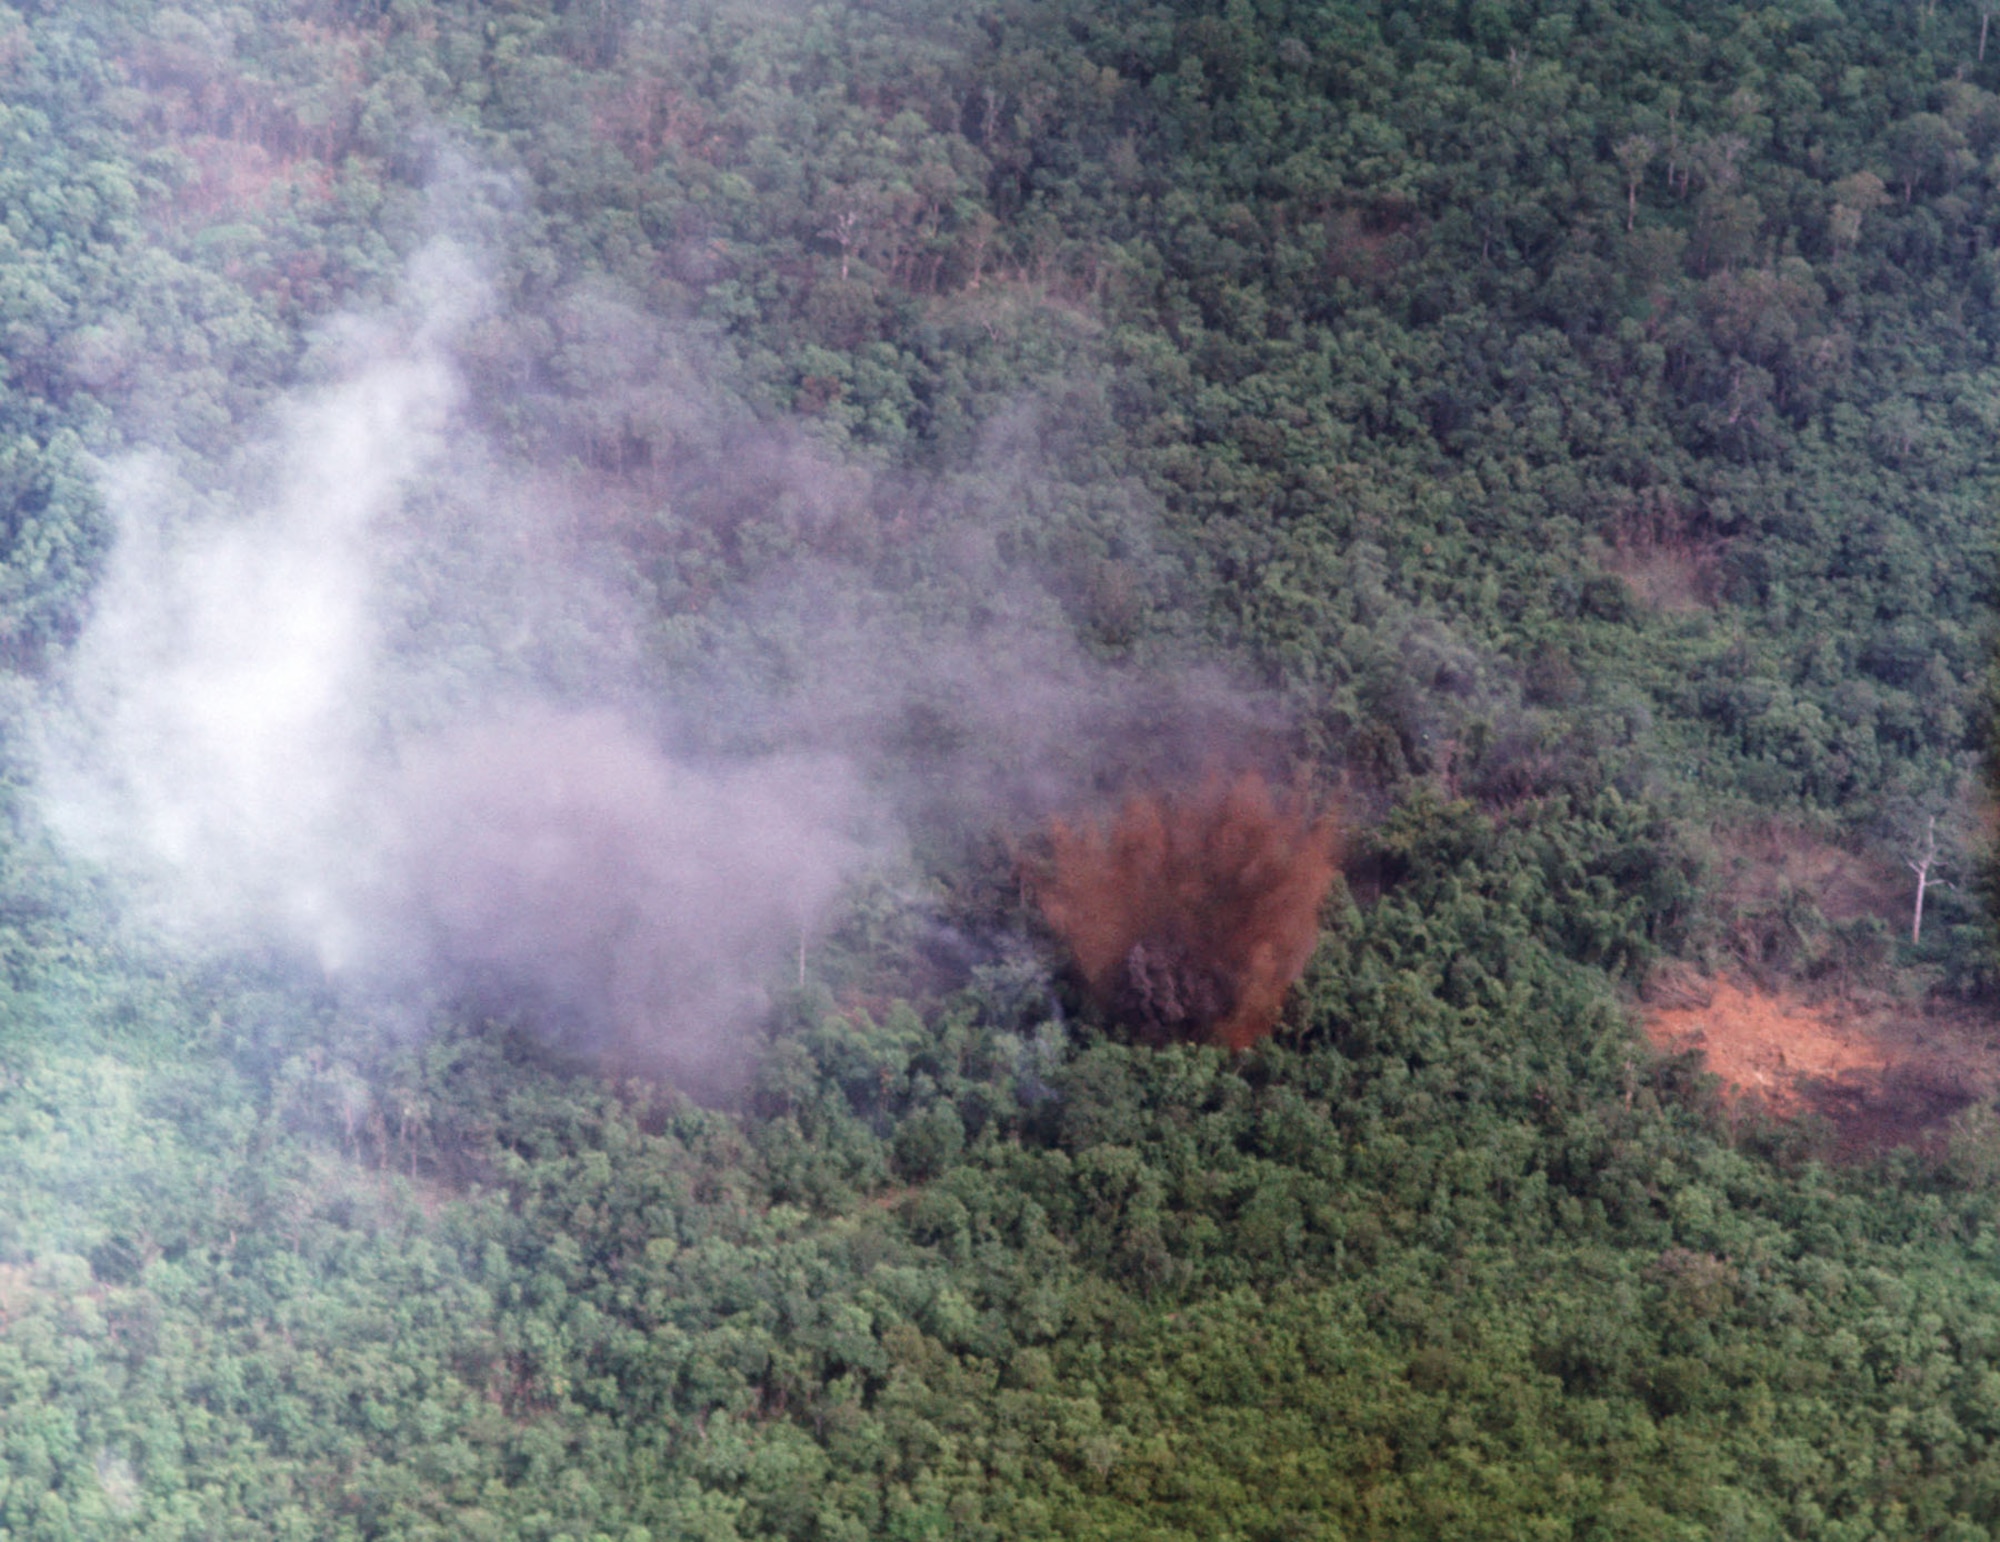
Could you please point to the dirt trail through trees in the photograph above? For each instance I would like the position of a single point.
(1882, 1075)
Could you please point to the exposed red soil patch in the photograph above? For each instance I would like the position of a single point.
(1768, 1046)
(1882, 1075)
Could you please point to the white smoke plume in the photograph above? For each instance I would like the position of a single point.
(597, 725)
(222, 691)
(304, 713)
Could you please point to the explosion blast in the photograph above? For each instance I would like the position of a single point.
(1191, 916)
(382, 693)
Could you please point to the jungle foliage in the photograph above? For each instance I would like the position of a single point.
(1580, 415)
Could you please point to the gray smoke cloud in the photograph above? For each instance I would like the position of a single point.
(443, 715)
(315, 706)
(642, 899)
(226, 692)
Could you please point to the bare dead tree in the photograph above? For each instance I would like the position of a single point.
(1920, 864)
(844, 231)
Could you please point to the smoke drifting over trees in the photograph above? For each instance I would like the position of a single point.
(391, 696)
(1191, 915)
(348, 705)
(637, 898)
(227, 694)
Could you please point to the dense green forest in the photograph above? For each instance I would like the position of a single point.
(1561, 435)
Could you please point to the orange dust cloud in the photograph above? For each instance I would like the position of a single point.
(1191, 916)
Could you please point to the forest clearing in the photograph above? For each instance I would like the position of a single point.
(1882, 1073)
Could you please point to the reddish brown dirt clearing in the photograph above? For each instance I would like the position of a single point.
(1882, 1075)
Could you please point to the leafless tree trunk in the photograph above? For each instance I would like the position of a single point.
(844, 231)
(1920, 864)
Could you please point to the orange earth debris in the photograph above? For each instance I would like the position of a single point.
(1768, 1045)
(1882, 1075)
(1193, 913)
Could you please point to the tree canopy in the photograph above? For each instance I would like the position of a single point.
(1566, 431)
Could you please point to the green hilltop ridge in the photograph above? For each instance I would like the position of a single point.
(1572, 430)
